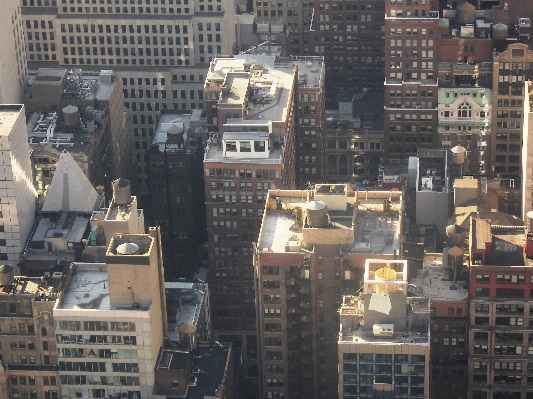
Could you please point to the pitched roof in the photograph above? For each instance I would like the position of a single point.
(70, 190)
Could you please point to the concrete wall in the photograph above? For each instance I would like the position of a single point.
(432, 209)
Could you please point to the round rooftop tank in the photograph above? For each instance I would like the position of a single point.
(317, 214)
(458, 154)
(188, 336)
(71, 115)
(456, 235)
(121, 191)
(499, 32)
(385, 274)
(455, 260)
(127, 248)
(466, 13)
(7, 276)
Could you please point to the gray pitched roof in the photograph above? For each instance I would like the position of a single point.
(70, 190)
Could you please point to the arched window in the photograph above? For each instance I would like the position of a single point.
(464, 110)
(44, 333)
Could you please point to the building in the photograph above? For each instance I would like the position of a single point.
(411, 84)
(208, 371)
(110, 320)
(512, 68)
(160, 50)
(527, 154)
(384, 337)
(449, 323)
(83, 112)
(350, 37)
(465, 82)
(433, 173)
(19, 197)
(354, 139)
(177, 194)
(252, 107)
(62, 224)
(312, 248)
(29, 363)
(13, 66)
(500, 317)
(188, 304)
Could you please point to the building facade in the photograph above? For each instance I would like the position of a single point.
(384, 350)
(511, 69)
(411, 84)
(110, 323)
(19, 197)
(28, 340)
(177, 188)
(500, 317)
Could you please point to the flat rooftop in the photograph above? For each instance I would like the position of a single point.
(91, 87)
(434, 281)
(41, 289)
(211, 360)
(191, 298)
(376, 231)
(88, 289)
(214, 153)
(416, 332)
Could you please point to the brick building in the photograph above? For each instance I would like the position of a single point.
(177, 189)
(500, 318)
(411, 84)
(252, 105)
(449, 326)
(28, 342)
(311, 249)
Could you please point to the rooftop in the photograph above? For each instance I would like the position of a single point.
(205, 379)
(376, 229)
(88, 289)
(41, 288)
(434, 281)
(49, 133)
(80, 85)
(415, 333)
(432, 170)
(171, 126)
(262, 86)
(190, 298)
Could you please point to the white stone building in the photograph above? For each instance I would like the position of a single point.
(17, 194)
